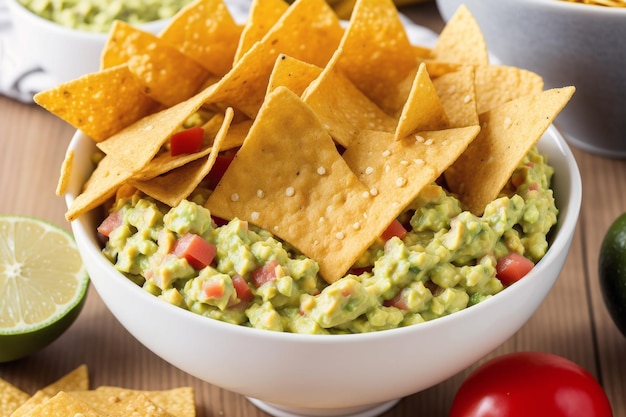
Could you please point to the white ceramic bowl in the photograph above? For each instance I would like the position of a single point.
(362, 374)
(63, 52)
(568, 44)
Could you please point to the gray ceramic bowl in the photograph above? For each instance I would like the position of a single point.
(568, 44)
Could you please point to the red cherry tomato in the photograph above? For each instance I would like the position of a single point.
(533, 384)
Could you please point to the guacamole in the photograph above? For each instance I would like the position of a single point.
(445, 263)
(98, 15)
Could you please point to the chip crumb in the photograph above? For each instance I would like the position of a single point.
(369, 170)
(340, 235)
(507, 122)
(365, 194)
(419, 138)
(290, 191)
(234, 197)
(467, 99)
(148, 128)
(260, 193)
(404, 162)
(386, 153)
(373, 191)
(428, 142)
(356, 225)
(400, 182)
(419, 161)
(255, 215)
(321, 170)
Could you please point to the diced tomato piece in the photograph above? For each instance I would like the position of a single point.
(220, 166)
(241, 287)
(533, 187)
(265, 273)
(186, 141)
(198, 252)
(398, 302)
(213, 289)
(112, 222)
(360, 270)
(394, 229)
(513, 267)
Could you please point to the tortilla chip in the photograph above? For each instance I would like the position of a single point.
(245, 85)
(293, 74)
(496, 84)
(458, 96)
(236, 134)
(114, 401)
(135, 146)
(143, 407)
(108, 176)
(397, 170)
(66, 172)
(461, 40)
(262, 16)
(33, 402)
(507, 133)
(11, 398)
(64, 404)
(206, 32)
(376, 54)
(87, 103)
(343, 109)
(178, 184)
(423, 110)
(78, 379)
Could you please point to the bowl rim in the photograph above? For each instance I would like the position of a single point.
(15, 6)
(564, 231)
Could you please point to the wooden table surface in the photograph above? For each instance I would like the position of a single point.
(572, 322)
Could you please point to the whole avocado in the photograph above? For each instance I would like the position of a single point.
(612, 271)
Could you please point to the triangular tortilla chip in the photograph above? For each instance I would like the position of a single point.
(461, 40)
(507, 133)
(292, 73)
(497, 84)
(343, 109)
(458, 96)
(423, 110)
(87, 103)
(206, 32)
(262, 16)
(245, 85)
(176, 185)
(376, 55)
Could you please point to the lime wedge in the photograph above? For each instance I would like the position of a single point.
(43, 284)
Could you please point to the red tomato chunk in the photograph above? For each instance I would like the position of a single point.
(198, 252)
(265, 273)
(513, 267)
(394, 229)
(112, 222)
(186, 141)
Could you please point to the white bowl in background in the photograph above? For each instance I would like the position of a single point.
(567, 44)
(65, 53)
(327, 375)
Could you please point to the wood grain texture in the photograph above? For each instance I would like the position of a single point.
(572, 321)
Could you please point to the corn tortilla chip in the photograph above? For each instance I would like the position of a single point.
(310, 22)
(376, 55)
(507, 133)
(135, 146)
(343, 109)
(64, 404)
(33, 402)
(11, 397)
(206, 32)
(262, 16)
(497, 84)
(458, 96)
(87, 103)
(178, 184)
(77, 379)
(108, 176)
(66, 173)
(143, 407)
(293, 74)
(461, 40)
(423, 109)
(178, 401)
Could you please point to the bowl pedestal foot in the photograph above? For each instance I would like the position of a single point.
(278, 410)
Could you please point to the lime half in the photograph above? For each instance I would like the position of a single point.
(43, 284)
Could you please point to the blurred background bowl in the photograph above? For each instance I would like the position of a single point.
(63, 52)
(567, 44)
(331, 375)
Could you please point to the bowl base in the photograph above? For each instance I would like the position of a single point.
(278, 410)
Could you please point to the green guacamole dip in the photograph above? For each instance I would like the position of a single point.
(98, 15)
(446, 262)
